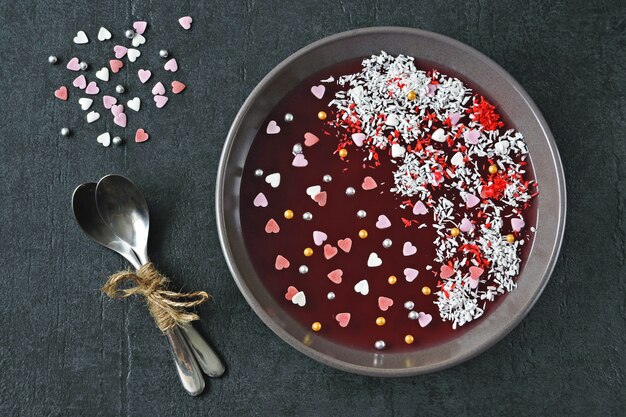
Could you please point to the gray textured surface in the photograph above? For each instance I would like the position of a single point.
(68, 351)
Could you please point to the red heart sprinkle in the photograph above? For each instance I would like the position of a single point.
(329, 251)
(475, 272)
(177, 87)
(343, 319)
(291, 291)
(320, 198)
(369, 183)
(272, 226)
(384, 303)
(345, 244)
(61, 93)
(281, 263)
(335, 276)
(116, 65)
(141, 135)
(446, 272)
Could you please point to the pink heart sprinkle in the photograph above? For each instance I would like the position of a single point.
(517, 224)
(144, 75)
(369, 183)
(466, 225)
(446, 272)
(471, 136)
(140, 26)
(92, 88)
(410, 274)
(454, 118)
(158, 88)
(431, 90)
(335, 276)
(291, 291)
(319, 237)
(310, 139)
(117, 109)
(272, 128)
(408, 249)
(471, 200)
(272, 226)
(108, 101)
(171, 65)
(419, 208)
(61, 93)
(345, 244)
(318, 91)
(343, 319)
(424, 319)
(383, 222)
(358, 138)
(185, 22)
(281, 263)
(299, 161)
(73, 64)
(260, 200)
(116, 65)
(120, 120)
(330, 251)
(320, 198)
(80, 82)
(141, 136)
(177, 87)
(160, 101)
(384, 303)
(120, 51)
(475, 272)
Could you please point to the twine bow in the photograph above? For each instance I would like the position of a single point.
(168, 308)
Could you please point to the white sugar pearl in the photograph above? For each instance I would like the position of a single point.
(387, 243)
(380, 344)
(350, 191)
(258, 173)
(307, 216)
(361, 214)
(297, 148)
(52, 59)
(84, 65)
(330, 295)
(288, 117)
(413, 315)
(129, 33)
(65, 132)
(303, 269)
(409, 305)
(327, 178)
(163, 53)
(119, 89)
(117, 141)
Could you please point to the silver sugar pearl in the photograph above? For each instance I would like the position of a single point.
(327, 178)
(380, 344)
(258, 173)
(129, 33)
(163, 53)
(119, 89)
(361, 214)
(330, 295)
(84, 65)
(307, 216)
(52, 59)
(65, 132)
(303, 269)
(409, 305)
(288, 117)
(117, 141)
(413, 315)
(350, 191)
(387, 243)
(297, 148)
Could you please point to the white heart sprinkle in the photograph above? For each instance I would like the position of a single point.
(134, 104)
(273, 179)
(104, 139)
(103, 74)
(104, 34)
(457, 159)
(92, 116)
(299, 299)
(313, 190)
(319, 237)
(362, 287)
(133, 54)
(81, 38)
(373, 261)
(138, 40)
(85, 103)
(358, 138)
(392, 120)
(439, 135)
(397, 150)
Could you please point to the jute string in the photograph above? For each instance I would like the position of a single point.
(168, 308)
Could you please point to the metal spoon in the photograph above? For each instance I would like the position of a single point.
(89, 220)
(123, 207)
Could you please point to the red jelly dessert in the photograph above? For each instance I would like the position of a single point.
(387, 206)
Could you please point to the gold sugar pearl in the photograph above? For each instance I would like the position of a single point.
(510, 238)
(380, 321)
(363, 233)
(392, 280)
(288, 214)
(409, 339)
(493, 169)
(411, 95)
(454, 232)
(321, 115)
(317, 326)
(343, 153)
(426, 290)
(308, 252)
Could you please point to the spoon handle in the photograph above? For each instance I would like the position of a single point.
(206, 356)
(186, 365)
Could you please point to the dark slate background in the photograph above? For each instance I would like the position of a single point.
(66, 350)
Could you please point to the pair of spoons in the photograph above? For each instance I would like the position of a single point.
(115, 214)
